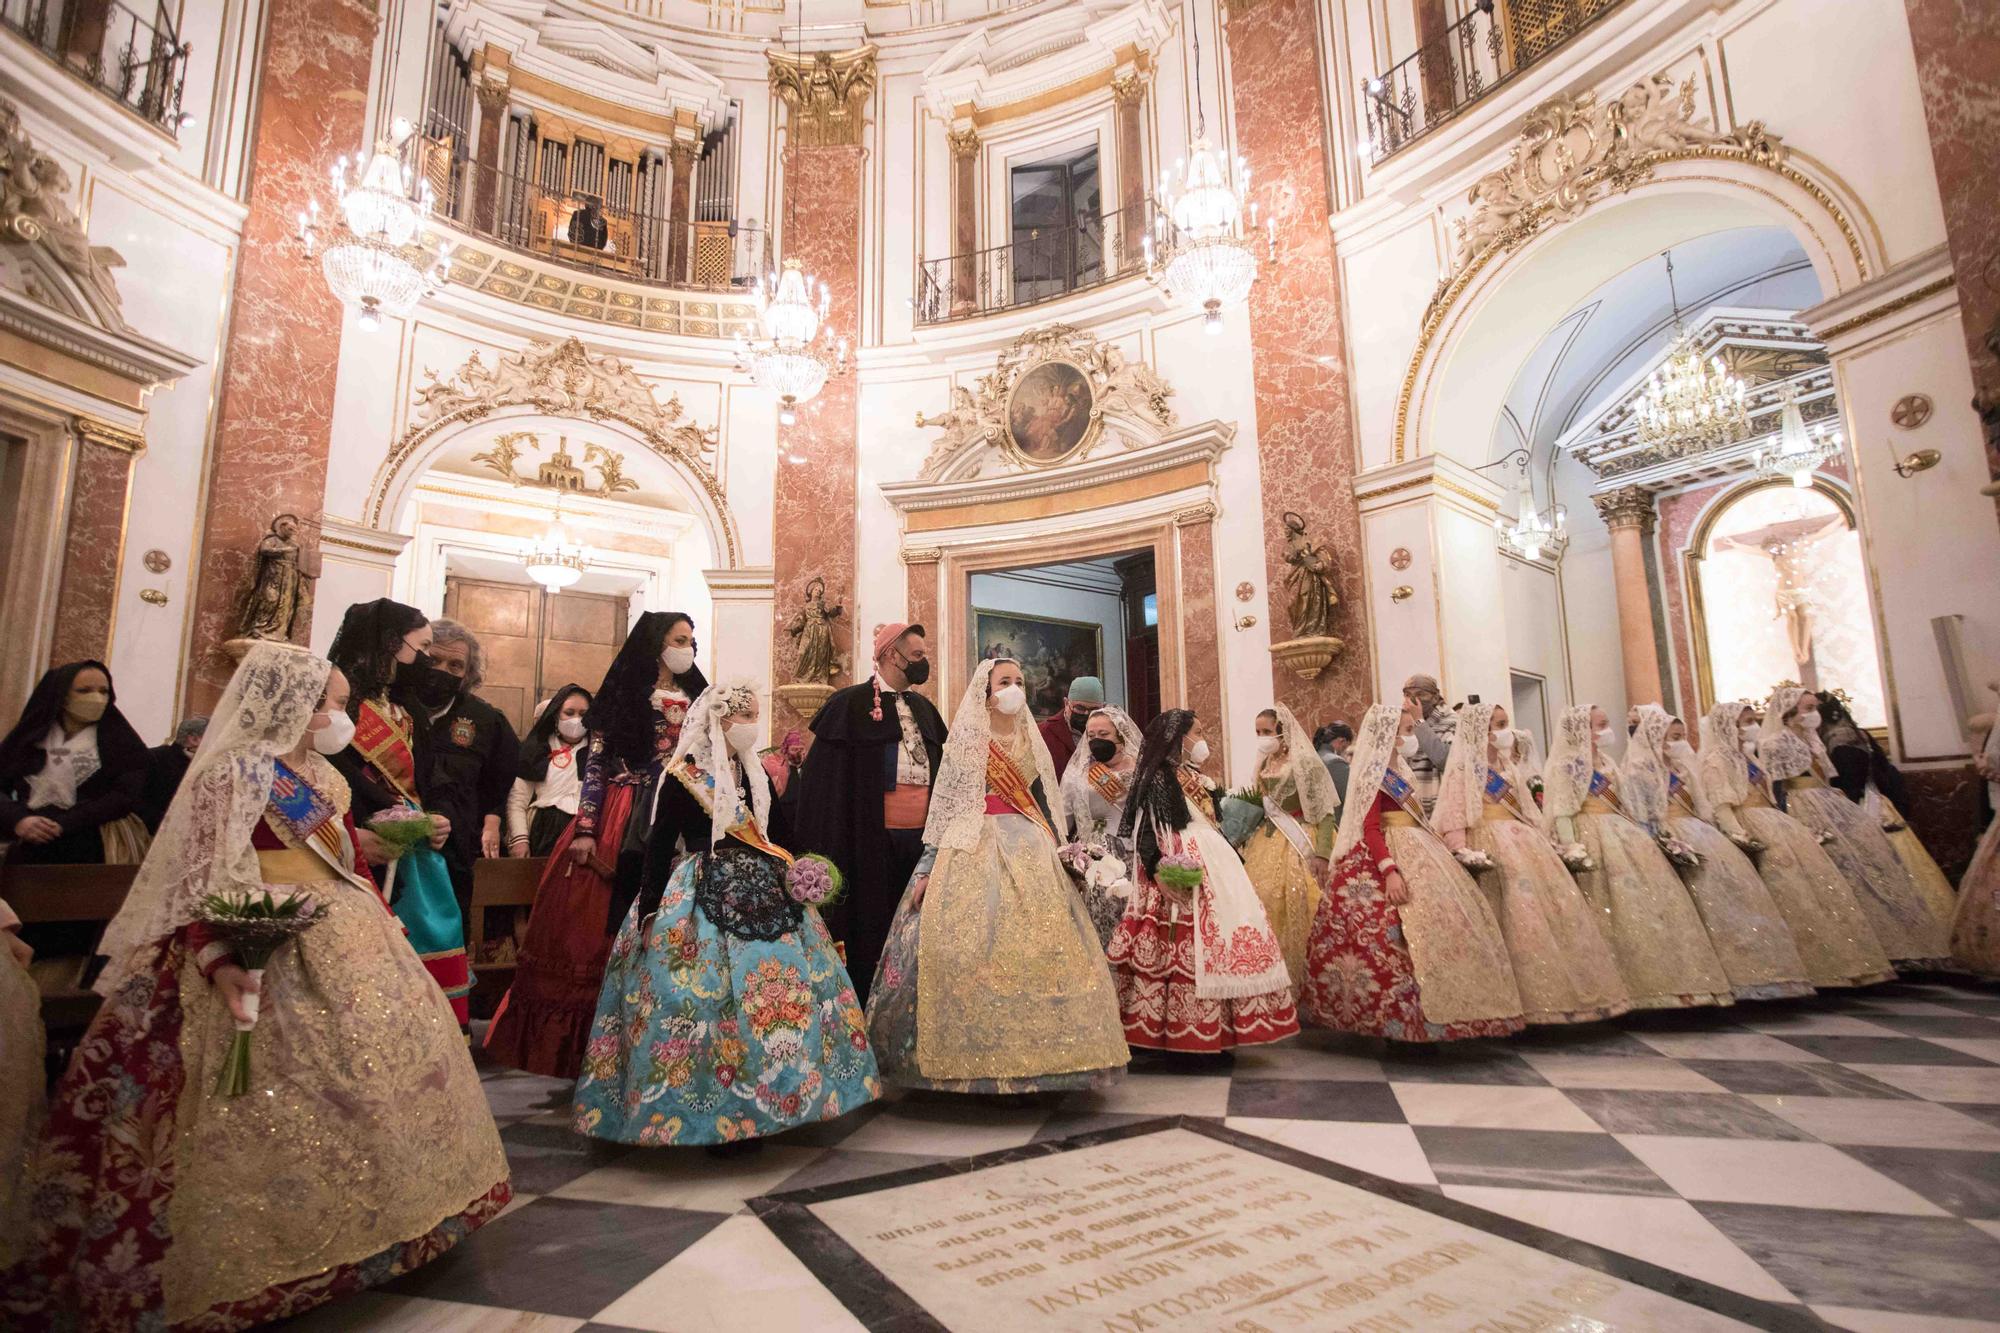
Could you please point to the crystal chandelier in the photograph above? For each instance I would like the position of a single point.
(376, 259)
(787, 360)
(1798, 452)
(1201, 248)
(1536, 531)
(1690, 405)
(553, 560)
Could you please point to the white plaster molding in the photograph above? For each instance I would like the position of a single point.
(129, 355)
(1433, 477)
(91, 117)
(1204, 441)
(753, 583)
(1007, 62)
(355, 543)
(1910, 293)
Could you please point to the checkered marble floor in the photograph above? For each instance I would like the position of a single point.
(1842, 1153)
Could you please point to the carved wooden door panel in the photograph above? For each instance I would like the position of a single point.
(534, 642)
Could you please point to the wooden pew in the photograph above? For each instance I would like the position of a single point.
(48, 895)
(497, 882)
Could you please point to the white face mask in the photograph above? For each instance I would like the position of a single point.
(678, 659)
(1267, 745)
(1010, 699)
(1406, 746)
(742, 736)
(335, 736)
(570, 728)
(1810, 721)
(1197, 754)
(1747, 730)
(1602, 736)
(1680, 750)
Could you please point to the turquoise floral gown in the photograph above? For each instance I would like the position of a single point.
(725, 1013)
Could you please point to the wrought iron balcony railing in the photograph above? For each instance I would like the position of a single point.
(1039, 264)
(1494, 41)
(140, 65)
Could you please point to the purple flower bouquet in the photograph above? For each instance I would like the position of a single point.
(814, 881)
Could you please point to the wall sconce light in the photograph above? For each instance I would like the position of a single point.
(1923, 460)
(1246, 622)
(1403, 593)
(152, 597)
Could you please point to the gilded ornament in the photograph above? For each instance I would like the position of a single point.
(826, 92)
(1626, 507)
(157, 561)
(559, 472)
(1911, 411)
(1399, 559)
(1245, 591)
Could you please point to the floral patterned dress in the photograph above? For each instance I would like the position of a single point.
(726, 1014)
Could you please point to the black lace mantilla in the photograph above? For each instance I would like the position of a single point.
(742, 891)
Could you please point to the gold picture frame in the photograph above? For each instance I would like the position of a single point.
(1052, 413)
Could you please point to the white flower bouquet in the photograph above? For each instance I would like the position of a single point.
(1679, 852)
(1473, 859)
(1577, 858)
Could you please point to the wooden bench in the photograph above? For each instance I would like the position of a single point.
(62, 895)
(497, 882)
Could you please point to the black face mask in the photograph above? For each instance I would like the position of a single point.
(917, 672)
(1631, 728)
(1102, 751)
(1076, 721)
(437, 688)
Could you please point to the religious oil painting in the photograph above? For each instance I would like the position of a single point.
(1050, 412)
(1051, 652)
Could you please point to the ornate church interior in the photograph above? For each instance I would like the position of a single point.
(998, 664)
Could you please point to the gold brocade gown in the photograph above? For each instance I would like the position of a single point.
(1744, 924)
(1833, 936)
(1975, 928)
(1925, 873)
(1911, 932)
(1283, 877)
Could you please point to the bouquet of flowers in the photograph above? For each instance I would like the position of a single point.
(1095, 866)
(1180, 870)
(1535, 789)
(1473, 859)
(255, 924)
(1678, 851)
(402, 827)
(814, 881)
(1746, 842)
(1822, 837)
(1076, 857)
(1239, 813)
(1577, 858)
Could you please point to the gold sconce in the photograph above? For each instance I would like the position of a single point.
(1246, 622)
(152, 597)
(1923, 460)
(1404, 592)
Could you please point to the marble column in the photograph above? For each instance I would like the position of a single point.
(1957, 46)
(1630, 515)
(275, 415)
(964, 220)
(1306, 443)
(814, 492)
(679, 208)
(94, 548)
(1201, 664)
(1128, 96)
(492, 93)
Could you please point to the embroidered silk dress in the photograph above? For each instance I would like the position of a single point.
(1432, 969)
(1975, 929)
(996, 981)
(726, 1013)
(1902, 920)
(364, 1149)
(1925, 874)
(1278, 857)
(1744, 925)
(543, 1023)
(1663, 950)
(1097, 813)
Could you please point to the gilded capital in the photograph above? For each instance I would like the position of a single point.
(964, 143)
(1128, 89)
(826, 92)
(1626, 507)
(492, 88)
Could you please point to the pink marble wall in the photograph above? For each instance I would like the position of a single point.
(1305, 433)
(88, 597)
(275, 419)
(921, 580)
(813, 495)
(1200, 610)
(1958, 67)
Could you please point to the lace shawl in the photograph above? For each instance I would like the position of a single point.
(203, 845)
(1645, 776)
(1318, 797)
(1566, 776)
(1461, 798)
(1725, 768)
(1076, 778)
(958, 795)
(1372, 755)
(1782, 751)
(703, 740)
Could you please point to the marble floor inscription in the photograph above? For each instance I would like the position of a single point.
(1190, 1227)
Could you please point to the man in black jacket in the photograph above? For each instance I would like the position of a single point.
(474, 753)
(166, 765)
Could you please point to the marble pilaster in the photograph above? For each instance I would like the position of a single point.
(492, 93)
(1630, 516)
(964, 220)
(1201, 654)
(920, 579)
(1128, 95)
(1305, 428)
(814, 493)
(679, 208)
(275, 415)
(93, 551)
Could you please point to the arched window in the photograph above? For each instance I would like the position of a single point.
(1780, 593)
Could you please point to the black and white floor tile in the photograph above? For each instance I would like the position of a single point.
(1840, 1153)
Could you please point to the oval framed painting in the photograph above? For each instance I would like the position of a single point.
(1051, 412)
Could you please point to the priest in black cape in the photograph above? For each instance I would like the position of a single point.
(862, 795)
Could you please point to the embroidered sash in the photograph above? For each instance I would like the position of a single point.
(1601, 788)
(299, 814)
(386, 744)
(1501, 792)
(701, 786)
(1005, 781)
(1196, 790)
(1677, 791)
(1107, 782)
(1289, 826)
(1398, 789)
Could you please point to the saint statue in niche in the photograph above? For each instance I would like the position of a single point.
(812, 629)
(1049, 411)
(1309, 581)
(282, 573)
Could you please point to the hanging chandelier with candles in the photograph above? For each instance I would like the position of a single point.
(376, 258)
(1690, 405)
(1202, 248)
(1798, 452)
(1535, 532)
(552, 559)
(796, 356)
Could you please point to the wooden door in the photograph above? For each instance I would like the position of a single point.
(535, 642)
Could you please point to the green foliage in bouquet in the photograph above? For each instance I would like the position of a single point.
(255, 923)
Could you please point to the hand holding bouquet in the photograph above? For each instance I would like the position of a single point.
(255, 924)
(1577, 858)
(1180, 870)
(1077, 856)
(814, 881)
(401, 828)
(1678, 851)
(1822, 837)
(1473, 859)
(1107, 874)
(1746, 842)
